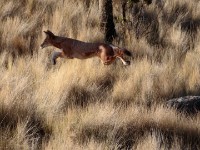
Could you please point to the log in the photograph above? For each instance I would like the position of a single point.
(188, 104)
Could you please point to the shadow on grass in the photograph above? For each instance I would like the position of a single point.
(81, 96)
(125, 137)
(37, 131)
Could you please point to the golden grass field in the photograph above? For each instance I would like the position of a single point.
(81, 104)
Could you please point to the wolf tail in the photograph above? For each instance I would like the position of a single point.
(126, 52)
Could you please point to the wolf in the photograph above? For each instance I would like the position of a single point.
(72, 48)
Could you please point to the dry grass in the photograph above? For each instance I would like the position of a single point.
(81, 104)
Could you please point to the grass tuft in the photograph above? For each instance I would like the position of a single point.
(81, 104)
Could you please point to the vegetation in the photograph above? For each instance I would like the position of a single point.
(81, 104)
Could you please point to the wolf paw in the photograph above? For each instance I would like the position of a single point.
(127, 63)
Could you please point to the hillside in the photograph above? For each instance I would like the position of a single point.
(82, 104)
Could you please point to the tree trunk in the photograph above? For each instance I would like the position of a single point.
(123, 3)
(107, 23)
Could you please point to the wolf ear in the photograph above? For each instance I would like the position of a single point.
(49, 34)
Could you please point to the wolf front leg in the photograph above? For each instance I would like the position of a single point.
(55, 55)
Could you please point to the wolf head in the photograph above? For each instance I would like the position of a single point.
(47, 41)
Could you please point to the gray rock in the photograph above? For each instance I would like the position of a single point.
(188, 104)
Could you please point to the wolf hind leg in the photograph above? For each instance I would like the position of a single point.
(125, 62)
(109, 60)
(55, 55)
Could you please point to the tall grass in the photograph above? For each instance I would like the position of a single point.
(81, 104)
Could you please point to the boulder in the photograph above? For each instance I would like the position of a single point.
(188, 104)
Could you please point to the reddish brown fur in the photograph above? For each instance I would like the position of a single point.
(71, 48)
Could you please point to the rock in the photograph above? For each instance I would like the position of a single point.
(188, 104)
